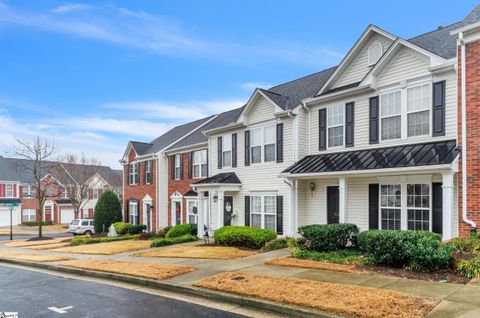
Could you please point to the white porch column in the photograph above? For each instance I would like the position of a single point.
(200, 215)
(293, 205)
(447, 204)
(342, 196)
(220, 205)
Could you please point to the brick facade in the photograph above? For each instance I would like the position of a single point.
(473, 136)
(181, 186)
(139, 191)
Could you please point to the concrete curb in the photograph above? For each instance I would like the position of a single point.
(260, 304)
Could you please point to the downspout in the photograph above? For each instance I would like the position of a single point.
(304, 105)
(292, 226)
(464, 136)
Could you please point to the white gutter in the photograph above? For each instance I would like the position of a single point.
(464, 136)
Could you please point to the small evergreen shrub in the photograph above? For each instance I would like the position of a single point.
(467, 245)
(137, 228)
(81, 240)
(121, 227)
(275, 244)
(107, 211)
(344, 256)
(246, 236)
(164, 231)
(329, 237)
(469, 267)
(36, 223)
(181, 229)
(147, 236)
(158, 242)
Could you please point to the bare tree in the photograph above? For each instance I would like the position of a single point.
(75, 173)
(37, 154)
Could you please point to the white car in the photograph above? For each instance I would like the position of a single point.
(81, 227)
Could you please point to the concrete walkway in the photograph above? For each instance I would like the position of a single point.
(456, 300)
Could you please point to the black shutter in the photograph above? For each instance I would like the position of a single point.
(234, 150)
(247, 147)
(247, 210)
(349, 123)
(190, 165)
(374, 119)
(280, 142)
(280, 214)
(144, 172)
(181, 166)
(322, 129)
(438, 112)
(137, 176)
(128, 175)
(172, 167)
(373, 206)
(219, 152)
(437, 208)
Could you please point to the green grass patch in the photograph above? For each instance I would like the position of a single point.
(81, 240)
(346, 256)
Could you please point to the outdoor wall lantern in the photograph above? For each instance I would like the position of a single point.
(312, 187)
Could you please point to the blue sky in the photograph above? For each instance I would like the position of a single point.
(93, 75)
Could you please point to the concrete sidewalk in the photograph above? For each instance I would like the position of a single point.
(456, 300)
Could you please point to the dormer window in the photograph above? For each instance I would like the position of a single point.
(375, 52)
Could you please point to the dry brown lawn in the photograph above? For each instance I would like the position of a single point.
(25, 243)
(15, 231)
(304, 263)
(33, 257)
(145, 270)
(195, 251)
(47, 246)
(356, 301)
(107, 248)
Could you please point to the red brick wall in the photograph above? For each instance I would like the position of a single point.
(473, 136)
(140, 190)
(182, 186)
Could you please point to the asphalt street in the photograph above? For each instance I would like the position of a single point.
(34, 294)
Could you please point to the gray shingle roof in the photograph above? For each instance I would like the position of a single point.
(225, 178)
(140, 147)
(198, 137)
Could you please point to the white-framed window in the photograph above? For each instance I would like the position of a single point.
(335, 125)
(200, 164)
(263, 144)
(192, 211)
(418, 207)
(95, 194)
(391, 115)
(418, 110)
(9, 190)
(64, 192)
(390, 206)
(405, 206)
(263, 211)
(28, 191)
(178, 167)
(134, 177)
(148, 172)
(227, 150)
(29, 215)
(133, 211)
(375, 51)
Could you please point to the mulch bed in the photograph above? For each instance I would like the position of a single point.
(448, 275)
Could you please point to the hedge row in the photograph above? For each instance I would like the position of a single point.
(246, 236)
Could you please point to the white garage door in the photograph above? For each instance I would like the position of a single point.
(67, 215)
(5, 216)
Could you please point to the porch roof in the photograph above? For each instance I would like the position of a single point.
(221, 178)
(404, 156)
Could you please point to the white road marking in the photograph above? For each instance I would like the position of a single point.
(60, 310)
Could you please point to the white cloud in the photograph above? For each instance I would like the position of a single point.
(250, 86)
(69, 7)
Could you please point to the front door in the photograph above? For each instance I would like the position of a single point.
(333, 215)
(178, 213)
(227, 210)
(48, 214)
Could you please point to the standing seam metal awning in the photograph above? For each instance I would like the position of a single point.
(411, 155)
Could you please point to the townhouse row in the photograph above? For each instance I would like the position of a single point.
(375, 141)
(18, 186)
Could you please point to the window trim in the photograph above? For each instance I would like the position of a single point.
(227, 138)
(178, 173)
(148, 172)
(200, 164)
(133, 174)
(262, 144)
(328, 108)
(29, 219)
(262, 208)
(95, 194)
(11, 190)
(130, 204)
(401, 114)
(428, 108)
(188, 202)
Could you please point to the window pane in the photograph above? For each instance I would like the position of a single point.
(269, 202)
(256, 137)
(335, 136)
(419, 123)
(335, 115)
(192, 219)
(255, 204)
(256, 154)
(390, 219)
(418, 98)
(256, 220)
(418, 219)
(227, 158)
(391, 128)
(270, 152)
(227, 142)
(269, 134)
(196, 171)
(270, 222)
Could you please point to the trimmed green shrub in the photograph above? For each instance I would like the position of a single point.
(329, 237)
(467, 245)
(417, 250)
(469, 267)
(121, 227)
(164, 231)
(247, 236)
(158, 242)
(345, 256)
(35, 223)
(275, 244)
(81, 240)
(181, 229)
(107, 211)
(136, 228)
(145, 236)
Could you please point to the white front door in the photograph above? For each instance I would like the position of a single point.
(147, 215)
